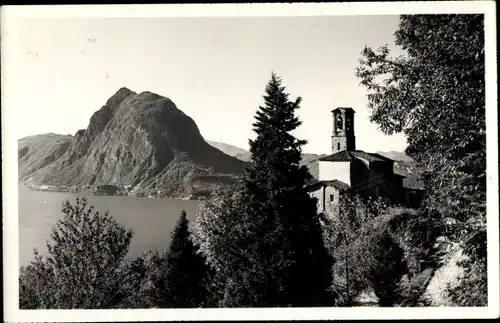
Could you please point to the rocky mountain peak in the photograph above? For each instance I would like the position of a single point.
(140, 140)
(118, 97)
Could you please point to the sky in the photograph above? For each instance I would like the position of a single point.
(213, 69)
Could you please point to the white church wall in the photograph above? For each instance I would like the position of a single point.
(329, 171)
(331, 200)
(328, 200)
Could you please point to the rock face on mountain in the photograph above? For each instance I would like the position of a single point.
(36, 152)
(142, 143)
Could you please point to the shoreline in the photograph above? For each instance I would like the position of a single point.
(88, 190)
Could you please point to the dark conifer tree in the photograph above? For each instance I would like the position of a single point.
(186, 273)
(282, 261)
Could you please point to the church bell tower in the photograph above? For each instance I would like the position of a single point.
(343, 130)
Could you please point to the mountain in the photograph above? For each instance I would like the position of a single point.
(38, 151)
(139, 144)
(231, 150)
(406, 166)
(310, 160)
(403, 164)
(412, 173)
(395, 155)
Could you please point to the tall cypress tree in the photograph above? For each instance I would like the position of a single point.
(282, 261)
(186, 272)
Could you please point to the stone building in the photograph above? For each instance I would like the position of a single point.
(348, 170)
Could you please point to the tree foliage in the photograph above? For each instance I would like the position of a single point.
(215, 232)
(265, 239)
(218, 225)
(282, 215)
(84, 267)
(144, 283)
(388, 270)
(351, 234)
(435, 95)
(473, 287)
(186, 274)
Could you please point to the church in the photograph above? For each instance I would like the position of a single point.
(348, 170)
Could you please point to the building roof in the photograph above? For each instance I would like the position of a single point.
(337, 184)
(344, 108)
(314, 184)
(341, 186)
(349, 155)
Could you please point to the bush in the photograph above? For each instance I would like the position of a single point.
(84, 267)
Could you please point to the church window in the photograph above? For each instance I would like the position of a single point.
(338, 146)
(331, 197)
(339, 122)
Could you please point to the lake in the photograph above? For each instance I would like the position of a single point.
(151, 219)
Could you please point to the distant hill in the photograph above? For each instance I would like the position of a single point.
(412, 173)
(395, 155)
(36, 152)
(310, 160)
(403, 164)
(141, 144)
(231, 150)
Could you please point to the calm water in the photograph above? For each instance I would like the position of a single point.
(151, 219)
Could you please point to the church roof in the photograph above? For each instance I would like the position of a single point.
(341, 186)
(337, 184)
(349, 155)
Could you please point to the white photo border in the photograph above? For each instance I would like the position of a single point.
(12, 16)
